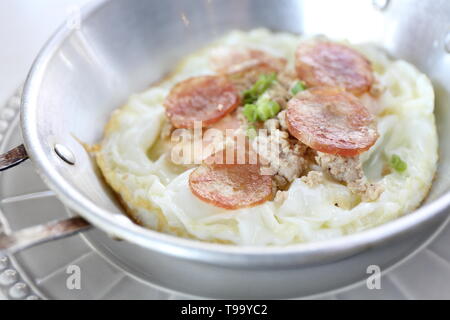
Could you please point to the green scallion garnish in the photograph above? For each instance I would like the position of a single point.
(267, 109)
(299, 86)
(398, 164)
(264, 82)
(250, 113)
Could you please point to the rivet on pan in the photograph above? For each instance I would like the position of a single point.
(380, 4)
(447, 42)
(65, 154)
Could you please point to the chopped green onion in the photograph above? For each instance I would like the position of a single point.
(267, 109)
(262, 111)
(250, 97)
(298, 87)
(264, 82)
(398, 164)
(250, 113)
(251, 132)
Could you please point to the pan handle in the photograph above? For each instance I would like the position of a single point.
(13, 157)
(29, 237)
(36, 235)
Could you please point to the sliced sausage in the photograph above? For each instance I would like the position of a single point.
(231, 186)
(332, 121)
(321, 63)
(206, 98)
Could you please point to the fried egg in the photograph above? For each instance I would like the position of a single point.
(156, 194)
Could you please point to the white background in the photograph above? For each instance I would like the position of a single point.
(25, 26)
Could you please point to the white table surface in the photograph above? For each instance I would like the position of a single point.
(25, 26)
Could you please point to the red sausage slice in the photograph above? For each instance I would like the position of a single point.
(332, 121)
(231, 179)
(231, 186)
(335, 65)
(231, 60)
(206, 98)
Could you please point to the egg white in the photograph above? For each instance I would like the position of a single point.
(156, 192)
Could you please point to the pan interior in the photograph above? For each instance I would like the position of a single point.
(123, 47)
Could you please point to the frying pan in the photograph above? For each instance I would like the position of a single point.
(86, 71)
